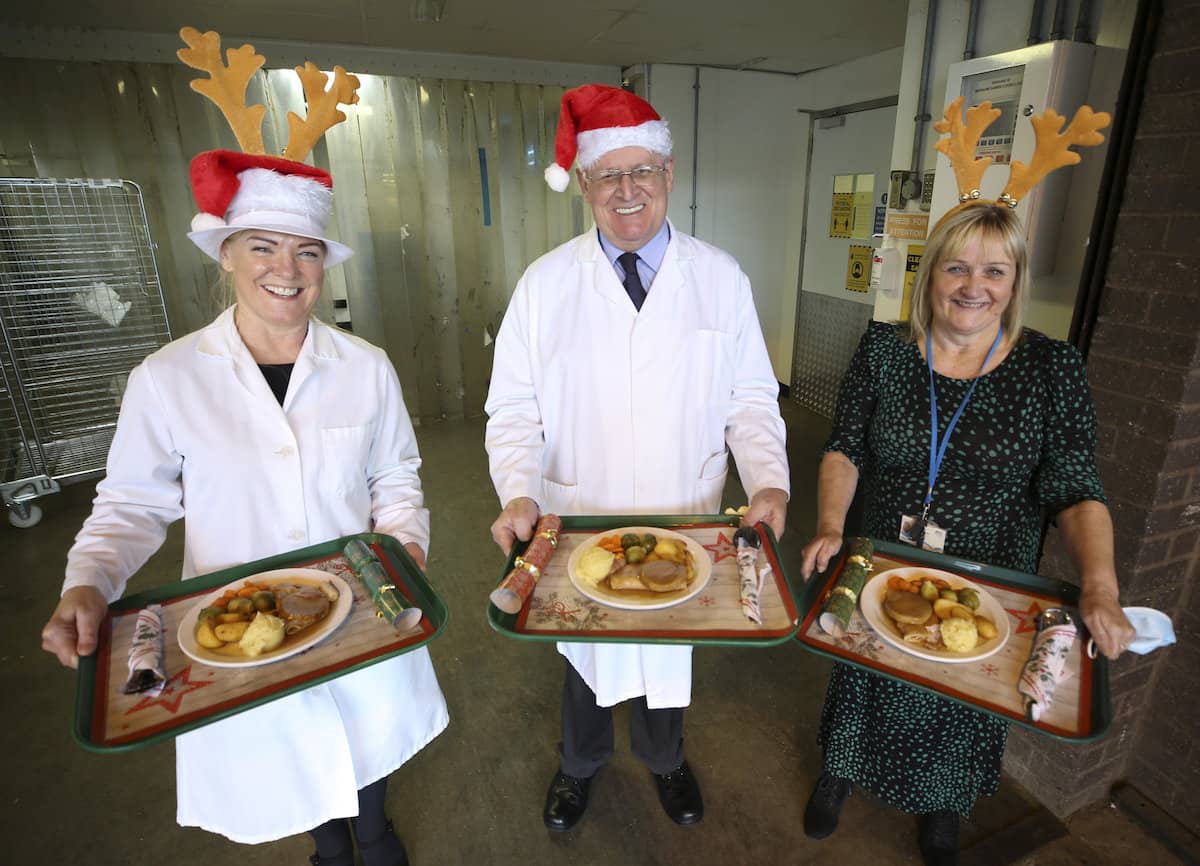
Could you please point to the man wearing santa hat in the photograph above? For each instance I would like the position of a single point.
(629, 365)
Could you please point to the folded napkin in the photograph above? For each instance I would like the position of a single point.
(390, 603)
(1153, 630)
(842, 599)
(1047, 663)
(147, 654)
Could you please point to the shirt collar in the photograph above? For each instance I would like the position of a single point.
(651, 254)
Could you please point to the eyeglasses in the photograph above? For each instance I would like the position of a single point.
(645, 176)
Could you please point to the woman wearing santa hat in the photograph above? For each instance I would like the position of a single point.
(269, 431)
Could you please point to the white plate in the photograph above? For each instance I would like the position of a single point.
(872, 610)
(642, 601)
(338, 612)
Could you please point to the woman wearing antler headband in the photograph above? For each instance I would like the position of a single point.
(1021, 443)
(271, 431)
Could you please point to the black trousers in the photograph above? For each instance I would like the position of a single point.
(656, 736)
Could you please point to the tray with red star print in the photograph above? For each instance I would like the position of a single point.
(197, 694)
(557, 610)
(1081, 709)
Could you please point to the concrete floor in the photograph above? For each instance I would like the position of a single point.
(475, 794)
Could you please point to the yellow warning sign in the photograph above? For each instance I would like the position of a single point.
(841, 216)
(912, 262)
(858, 268)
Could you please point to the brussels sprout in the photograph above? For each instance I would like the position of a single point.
(635, 553)
(949, 593)
(969, 598)
(240, 605)
(264, 599)
(929, 591)
(630, 538)
(210, 613)
(648, 541)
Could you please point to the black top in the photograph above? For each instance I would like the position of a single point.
(277, 376)
(1025, 442)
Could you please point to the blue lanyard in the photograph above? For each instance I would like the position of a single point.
(936, 452)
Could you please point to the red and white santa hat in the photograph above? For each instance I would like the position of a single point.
(596, 119)
(237, 191)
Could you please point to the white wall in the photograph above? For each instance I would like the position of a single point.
(750, 158)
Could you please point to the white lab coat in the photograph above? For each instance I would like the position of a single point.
(201, 432)
(597, 408)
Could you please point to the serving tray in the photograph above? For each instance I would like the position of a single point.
(557, 611)
(198, 694)
(1081, 709)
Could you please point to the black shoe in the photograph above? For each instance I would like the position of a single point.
(939, 838)
(679, 793)
(566, 801)
(825, 805)
(386, 850)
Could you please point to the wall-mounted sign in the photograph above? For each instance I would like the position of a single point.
(858, 268)
(907, 226)
(911, 263)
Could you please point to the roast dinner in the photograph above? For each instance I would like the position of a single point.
(929, 613)
(637, 562)
(258, 618)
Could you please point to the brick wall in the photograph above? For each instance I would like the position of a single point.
(1144, 365)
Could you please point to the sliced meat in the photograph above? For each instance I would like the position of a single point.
(300, 606)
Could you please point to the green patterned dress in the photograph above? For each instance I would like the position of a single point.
(1026, 442)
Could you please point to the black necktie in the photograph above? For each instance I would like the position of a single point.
(633, 283)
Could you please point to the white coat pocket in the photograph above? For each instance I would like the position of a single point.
(344, 455)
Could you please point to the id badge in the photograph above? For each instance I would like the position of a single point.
(924, 534)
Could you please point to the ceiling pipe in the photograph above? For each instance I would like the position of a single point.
(923, 117)
(1083, 22)
(972, 27)
(1059, 29)
(1035, 23)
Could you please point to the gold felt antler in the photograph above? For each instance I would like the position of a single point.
(960, 146)
(323, 111)
(1053, 149)
(226, 85)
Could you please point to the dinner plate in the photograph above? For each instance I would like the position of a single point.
(642, 600)
(872, 596)
(314, 634)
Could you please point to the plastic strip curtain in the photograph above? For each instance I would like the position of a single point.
(430, 279)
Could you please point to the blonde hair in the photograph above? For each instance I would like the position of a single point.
(986, 221)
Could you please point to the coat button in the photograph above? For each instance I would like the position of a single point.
(286, 451)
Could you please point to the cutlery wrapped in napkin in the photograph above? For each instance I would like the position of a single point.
(747, 543)
(839, 605)
(390, 603)
(518, 584)
(147, 654)
(1047, 663)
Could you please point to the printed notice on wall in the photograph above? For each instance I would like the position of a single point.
(858, 268)
(841, 212)
(912, 261)
(907, 226)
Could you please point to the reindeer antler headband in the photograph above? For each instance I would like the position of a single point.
(243, 190)
(1053, 149)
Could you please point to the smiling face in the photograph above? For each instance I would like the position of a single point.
(628, 215)
(277, 277)
(971, 289)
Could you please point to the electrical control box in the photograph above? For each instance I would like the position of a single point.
(1020, 83)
